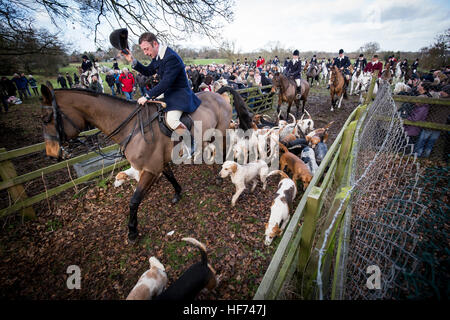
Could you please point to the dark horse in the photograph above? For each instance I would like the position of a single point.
(197, 80)
(66, 112)
(287, 92)
(313, 72)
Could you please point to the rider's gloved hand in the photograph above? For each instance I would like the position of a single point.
(142, 100)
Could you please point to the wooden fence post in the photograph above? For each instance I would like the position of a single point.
(372, 86)
(309, 227)
(347, 140)
(7, 172)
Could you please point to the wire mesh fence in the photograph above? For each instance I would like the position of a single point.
(429, 142)
(391, 251)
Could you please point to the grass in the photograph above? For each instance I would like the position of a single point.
(205, 61)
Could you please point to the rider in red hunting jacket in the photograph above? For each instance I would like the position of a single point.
(374, 65)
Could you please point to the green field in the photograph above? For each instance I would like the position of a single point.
(205, 61)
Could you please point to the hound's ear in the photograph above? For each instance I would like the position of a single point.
(266, 225)
(46, 95)
(277, 229)
(234, 167)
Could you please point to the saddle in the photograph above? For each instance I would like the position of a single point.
(165, 129)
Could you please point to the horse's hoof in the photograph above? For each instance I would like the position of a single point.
(132, 236)
(176, 198)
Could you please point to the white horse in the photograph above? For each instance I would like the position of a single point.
(324, 73)
(398, 73)
(356, 81)
(87, 75)
(365, 79)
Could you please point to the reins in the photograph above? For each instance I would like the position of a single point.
(139, 126)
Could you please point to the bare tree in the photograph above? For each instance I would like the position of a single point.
(369, 48)
(169, 19)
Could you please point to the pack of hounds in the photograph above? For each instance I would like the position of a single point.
(302, 150)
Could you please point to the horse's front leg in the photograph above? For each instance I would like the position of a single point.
(145, 182)
(332, 102)
(289, 110)
(168, 173)
(279, 104)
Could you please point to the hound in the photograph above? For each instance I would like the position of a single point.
(130, 173)
(242, 174)
(281, 205)
(298, 168)
(197, 277)
(151, 283)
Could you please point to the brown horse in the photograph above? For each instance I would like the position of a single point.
(67, 112)
(386, 74)
(313, 72)
(287, 92)
(337, 86)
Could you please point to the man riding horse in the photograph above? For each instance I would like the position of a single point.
(294, 69)
(360, 63)
(173, 83)
(342, 63)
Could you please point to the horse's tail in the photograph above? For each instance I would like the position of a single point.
(245, 121)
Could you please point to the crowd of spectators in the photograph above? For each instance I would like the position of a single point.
(435, 84)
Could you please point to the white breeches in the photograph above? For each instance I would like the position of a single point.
(173, 118)
(298, 82)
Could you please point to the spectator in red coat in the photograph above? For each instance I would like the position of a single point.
(374, 65)
(127, 80)
(260, 62)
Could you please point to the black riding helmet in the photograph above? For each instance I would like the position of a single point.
(119, 39)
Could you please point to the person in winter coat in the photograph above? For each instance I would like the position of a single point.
(111, 81)
(127, 80)
(33, 85)
(62, 81)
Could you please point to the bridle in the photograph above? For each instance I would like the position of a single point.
(139, 126)
(58, 116)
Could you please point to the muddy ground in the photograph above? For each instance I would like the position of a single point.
(87, 227)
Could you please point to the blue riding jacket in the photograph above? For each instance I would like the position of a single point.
(178, 95)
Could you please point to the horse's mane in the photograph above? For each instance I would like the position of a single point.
(97, 94)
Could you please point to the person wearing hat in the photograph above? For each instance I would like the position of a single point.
(342, 62)
(313, 60)
(374, 65)
(361, 62)
(69, 80)
(173, 83)
(86, 64)
(294, 68)
(276, 61)
(415, 65)
(115, 64)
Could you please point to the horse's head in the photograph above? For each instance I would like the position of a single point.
(57, 126)
(276, 82)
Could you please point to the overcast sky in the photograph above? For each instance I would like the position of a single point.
(405, 25)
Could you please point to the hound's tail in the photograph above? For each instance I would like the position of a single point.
(154, 262)
(245, 120)
(281, 173)
(282, 146)
(200, 246)
(328, 125)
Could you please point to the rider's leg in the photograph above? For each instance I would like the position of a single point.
(173, 121)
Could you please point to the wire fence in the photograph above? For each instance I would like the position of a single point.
(394, 230)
